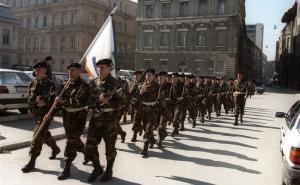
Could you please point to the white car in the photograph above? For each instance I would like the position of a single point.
(13, 90)
(290, 145)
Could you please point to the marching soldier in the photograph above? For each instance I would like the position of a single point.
(241, 90)
(74, 102)
(136, 104)
(207, 99)
(222, 96)
(201, 95)
(214, 91)
(41, 95)
(149, 92)
(107, 99)
(229, 95)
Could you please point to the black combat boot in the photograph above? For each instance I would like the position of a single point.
(153, 141)
(134, 137)
(202, 119)
(194, 123)
(55, 151)
(209, 116)
(144, 152)
(96, 172)
(236, 121)
(241, 118)
(30, 165)
(109, 172)
(66, 171)
(159, 144)
(123, 136)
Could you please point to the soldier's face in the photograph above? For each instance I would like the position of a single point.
(200, 80)
(161, 79)
(137, 77)
(240, 76)
(40, 72)
(74, 72)
(169, 79)
(149, 77)
(104, 70)
(174, 79)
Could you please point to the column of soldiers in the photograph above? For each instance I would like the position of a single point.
(154, 100)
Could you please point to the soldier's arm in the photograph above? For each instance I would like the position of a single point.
(93, 95)
(118, 99)
(31, 97)
(81, 96)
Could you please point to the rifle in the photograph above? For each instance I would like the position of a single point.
(43, 124)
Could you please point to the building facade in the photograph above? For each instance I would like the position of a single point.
(9, 26)
(65, 28)
(198, 36)
(256, 34)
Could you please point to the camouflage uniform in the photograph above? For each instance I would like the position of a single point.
(149, 113)
(189, 105)
(104, 122)
(201, 92)
(178, 87)
(213, 94)
(222, 98)
(241, 90)
(229, 97)
(45, 89)
(136, 107)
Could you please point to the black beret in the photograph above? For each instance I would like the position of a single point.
(176, 74)
(76, 65)
(152, 71)
(139, 72)
(48, 58)
(192, 76)
(201, 77)
(40, 65)
(105, 61)
(240, 72)
(162, 73)
(182, 75)
(169, 75)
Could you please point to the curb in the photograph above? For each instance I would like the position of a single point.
(25, 144)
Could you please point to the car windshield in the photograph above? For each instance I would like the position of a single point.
(12, 78)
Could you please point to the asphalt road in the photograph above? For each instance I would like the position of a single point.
(214, 153)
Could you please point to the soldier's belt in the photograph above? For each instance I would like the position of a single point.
(105, 110)
(200, 96)
(223, 93)
(240, 93)
(134, 99)
(168, 99)
(180, 98)
(213, 94)
(76, 109)
(149, 103)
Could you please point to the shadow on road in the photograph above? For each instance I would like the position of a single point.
(186, 180)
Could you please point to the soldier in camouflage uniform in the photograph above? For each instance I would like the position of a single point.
(201, 93)
(240, 94)
(41, 95)
(229, 95)
(178, 87)
(107, 99)
(136, 104)
(149, 92)
(189, 95)
(222, 96)
(74, 102)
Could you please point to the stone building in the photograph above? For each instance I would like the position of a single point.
(199, 36)
(255, 33)
(9, 25)
(65, 28)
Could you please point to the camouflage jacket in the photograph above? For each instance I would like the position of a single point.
(43, 88)
(241, 86)
(189, 94)
(214, 89)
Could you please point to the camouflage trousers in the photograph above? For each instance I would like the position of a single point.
(213, 102)
(202, 107)
(222, 101)
(192, 110)
(74, 124)
(177, 115)
(137, 119)
(230, 102)
(106, 129)
(239, 104)
(166, 116)
(149, 116)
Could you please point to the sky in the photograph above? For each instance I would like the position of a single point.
(268, 12)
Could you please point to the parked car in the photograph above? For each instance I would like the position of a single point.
(13, 90)
(290, 145)
(260, 90)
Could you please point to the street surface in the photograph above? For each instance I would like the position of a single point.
(216, 153)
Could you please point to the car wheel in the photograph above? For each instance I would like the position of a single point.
(23, 111)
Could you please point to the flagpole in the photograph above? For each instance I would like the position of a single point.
(110, 15)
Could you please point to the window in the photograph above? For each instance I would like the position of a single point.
(182, 67)
(5, 36)
(184, 9)
(55, 21)
(205, 67)
(221, 6)
(45, 21)
(93, 20)
(62, 42)
(183, 38)
(164, 64)
(165, 39)
(35, 44)
(147, 63)
(148, 39)
(149, 11)
(64, 19)
(166, 10)
(53, 43)
(73, 42)
(62, 64)
(44, 43)
(201, 38)
(36, 22)
(202, 7)
(219, 68)
(28, 22)
(73, 17)
(221, 38)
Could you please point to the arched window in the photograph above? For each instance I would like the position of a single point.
(182, 67)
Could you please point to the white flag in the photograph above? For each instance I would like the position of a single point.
(102, 47)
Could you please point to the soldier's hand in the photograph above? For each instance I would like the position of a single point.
(41, 102)
(58, 99)
(47, 117)
(104, 99)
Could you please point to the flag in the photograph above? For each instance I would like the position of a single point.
(102, 47)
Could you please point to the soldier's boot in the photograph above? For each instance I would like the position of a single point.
(66, 171)
(194, 123)
(86, 160)
(209, 116)
(108, 173)
(30, 165)
(153, 141)
(182, 127)
(140, 133)
(134, 137)
(236, 121)
(123, 136)
(241, 118)
(125, 118)
(55, 151)
(170, 122)
(202, 119)
(159, 144)
(144, 152)
(96, 172)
